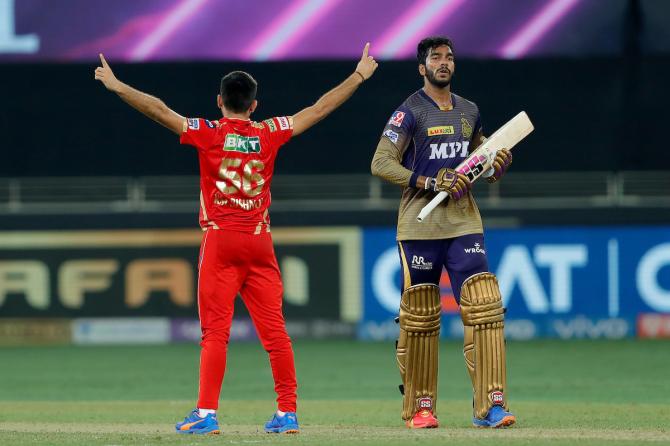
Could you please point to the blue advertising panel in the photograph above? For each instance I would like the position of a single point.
(567, 282)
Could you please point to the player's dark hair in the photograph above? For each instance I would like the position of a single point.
(238, 91)
(429, 43)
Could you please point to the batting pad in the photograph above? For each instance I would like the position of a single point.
(417, 349)
(484, 343)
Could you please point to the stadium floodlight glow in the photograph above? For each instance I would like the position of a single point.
(403, 35)
(536, 28)
(173, 20)
(288, 28)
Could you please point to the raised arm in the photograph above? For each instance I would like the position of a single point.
(309, 116)
(146, 104)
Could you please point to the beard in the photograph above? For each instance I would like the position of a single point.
(430, 75)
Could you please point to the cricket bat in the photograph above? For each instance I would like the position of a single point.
(481, 160)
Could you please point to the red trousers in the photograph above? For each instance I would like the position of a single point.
(231, 263)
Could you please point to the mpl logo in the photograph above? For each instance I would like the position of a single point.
(449, 150)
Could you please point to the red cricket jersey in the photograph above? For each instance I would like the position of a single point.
(237, 159)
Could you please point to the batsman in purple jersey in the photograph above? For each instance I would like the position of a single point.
(425, 139)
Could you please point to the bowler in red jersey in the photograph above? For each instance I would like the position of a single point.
(237, 157)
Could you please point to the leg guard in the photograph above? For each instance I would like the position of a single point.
(417, 348)
(484, 342)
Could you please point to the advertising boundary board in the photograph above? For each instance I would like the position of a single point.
(556, 282)
(131, 272)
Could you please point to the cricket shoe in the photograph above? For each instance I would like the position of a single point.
(286, 424)
(423, 419)
(497, 417)
(194, 424)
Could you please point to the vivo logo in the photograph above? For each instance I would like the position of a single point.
(582, 327)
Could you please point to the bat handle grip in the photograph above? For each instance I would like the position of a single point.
(427, 209)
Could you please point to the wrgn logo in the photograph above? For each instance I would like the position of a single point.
(476, 250)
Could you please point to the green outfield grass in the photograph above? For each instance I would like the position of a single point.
(586, 392)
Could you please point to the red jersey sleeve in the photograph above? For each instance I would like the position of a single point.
(199, 133)
(280, 129)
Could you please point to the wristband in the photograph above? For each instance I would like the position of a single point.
(362, 77)
(413, 179)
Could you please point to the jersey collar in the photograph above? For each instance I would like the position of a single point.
(237, 119)
(429, 99)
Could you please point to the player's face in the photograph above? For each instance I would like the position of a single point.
(440, 66)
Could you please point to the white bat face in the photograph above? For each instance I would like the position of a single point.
(480, 161)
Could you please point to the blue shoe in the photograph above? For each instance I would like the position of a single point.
(288, 424)
(193, 424)
(497, 417)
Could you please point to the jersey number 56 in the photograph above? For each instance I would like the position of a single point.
(234, 182)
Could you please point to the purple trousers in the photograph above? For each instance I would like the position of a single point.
(422, 260)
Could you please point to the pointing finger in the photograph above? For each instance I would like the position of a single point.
(366, 49)
(103, 61)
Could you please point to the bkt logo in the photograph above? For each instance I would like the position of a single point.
(244, 144)
(449, 150)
